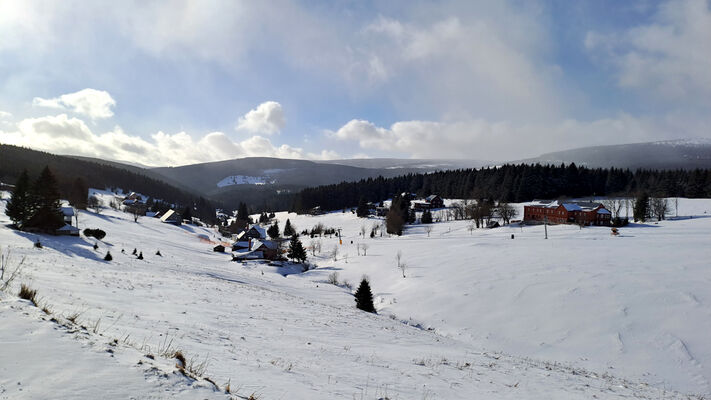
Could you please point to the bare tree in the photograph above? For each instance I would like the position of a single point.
(136, 212)
(506, 211)
(7, 276)
(676, 207)
(400, 264)
(364, 246)
(471, 228)
(428, 229)
(76, 216)
(362, 230)
(334, 253)
(96, 204)
(614, 206)
(660, 207)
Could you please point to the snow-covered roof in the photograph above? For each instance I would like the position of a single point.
(68, 211)
(68, 228)
(261, 230)
(603, 211)
(431, 197)
(250, 255)
(168, 215)
(266, 243)
(241, 243)
(572, 207)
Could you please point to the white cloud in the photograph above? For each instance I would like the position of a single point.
(267, 118)
(486, 140)
(64, 135)
(5, 115)
(95, 104)
(669, 57)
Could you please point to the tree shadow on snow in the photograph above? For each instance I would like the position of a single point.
(70, 245)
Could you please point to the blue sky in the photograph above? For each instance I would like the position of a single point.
(169, 83)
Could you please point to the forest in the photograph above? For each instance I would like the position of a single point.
(512, 183)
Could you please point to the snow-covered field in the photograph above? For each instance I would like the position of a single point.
(479, 315)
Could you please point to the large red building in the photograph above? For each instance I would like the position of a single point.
(573, 212)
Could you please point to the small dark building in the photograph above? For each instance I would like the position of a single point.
(219, 249)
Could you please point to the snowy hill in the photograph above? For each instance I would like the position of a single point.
(479, 315)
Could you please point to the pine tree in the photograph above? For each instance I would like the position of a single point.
(364, 297)
(641, 207)
(288, 229)
(426, 217)
(44, 203)
(296, 250)
(362, 210)
(188, 214)
(273, 230)
(108, 256)
(18, 208)
(242, 214)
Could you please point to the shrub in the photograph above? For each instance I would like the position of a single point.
(95, 233)
(28, 294)
(158, 253)
(140, 256)
(108, 256)
(333, 278)
(38, 244)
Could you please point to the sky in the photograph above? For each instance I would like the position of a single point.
(162, 83)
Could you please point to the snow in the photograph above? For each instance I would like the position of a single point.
(479, 315)
(242, 180)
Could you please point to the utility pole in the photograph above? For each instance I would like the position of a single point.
(545, 225)
(339, 237)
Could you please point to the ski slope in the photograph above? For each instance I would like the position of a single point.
(478, 315)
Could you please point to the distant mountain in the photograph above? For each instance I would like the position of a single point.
(215, 178)
(409, 163)
(671, 154)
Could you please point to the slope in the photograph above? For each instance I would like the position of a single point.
(279, 337)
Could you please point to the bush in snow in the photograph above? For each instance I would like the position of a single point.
(364, 297)
(333, 278)
(158, 253)
(140, 256)
(108, 256)
(96, 246)
(96, 233)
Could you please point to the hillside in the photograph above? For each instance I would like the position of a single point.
(14, 159)
(582, 315)
(672, 154)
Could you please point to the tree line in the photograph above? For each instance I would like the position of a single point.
(512, 183)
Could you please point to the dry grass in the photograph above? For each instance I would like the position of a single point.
(28, 294)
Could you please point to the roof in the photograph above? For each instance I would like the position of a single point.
(169, 215)
(262, 232)
(266, 243)
(603, 211)
(431, 197)
(571, 207)
(251, 255)
(68, 211)
(68, 228)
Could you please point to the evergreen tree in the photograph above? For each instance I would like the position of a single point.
(426, 217)
(188, 214)
(296, 250)
(364, 297)
(44, 203)
(273, 230)
(108, 256)
(641, 207)
(79, 194)
(18, 207)
(288, 229)
(242, 214)
(362, 210)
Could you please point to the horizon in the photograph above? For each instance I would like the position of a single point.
(171, 84)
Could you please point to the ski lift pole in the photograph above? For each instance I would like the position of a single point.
(340, 241)
(545, 226)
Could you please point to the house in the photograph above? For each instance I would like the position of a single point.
(136, 208)
(241, 245)
(132, 198)
(171, 217)
(68, 214)
(268, 248)
(381, 211)
(567, 212)
(254, 232)
(430, 202)
(219, 249)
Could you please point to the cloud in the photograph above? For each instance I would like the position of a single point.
(64, 135)
(670, 57)
(95, 104)
(486, 140)
(5, 115)
(267, 118)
